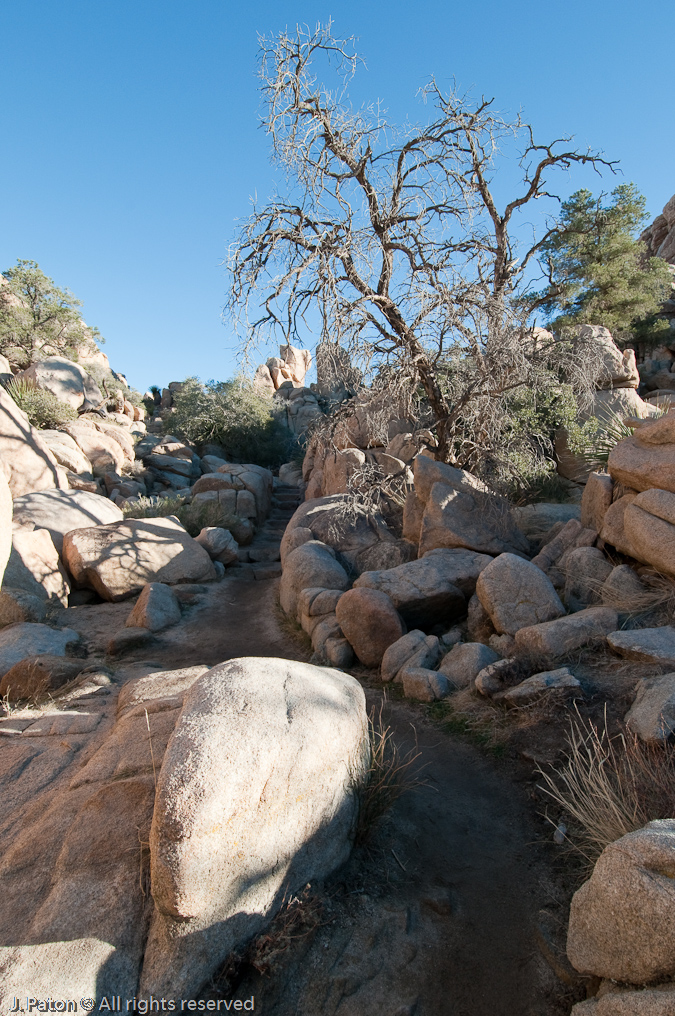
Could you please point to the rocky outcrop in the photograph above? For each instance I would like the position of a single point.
(118, 559)
(221, 860)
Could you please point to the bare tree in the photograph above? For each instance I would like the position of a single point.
(393, 234)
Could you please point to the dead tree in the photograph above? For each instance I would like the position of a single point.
(392, 234)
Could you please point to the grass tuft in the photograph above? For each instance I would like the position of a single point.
(610, 786)
(391, 774)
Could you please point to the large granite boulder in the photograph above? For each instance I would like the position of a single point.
(255, 798)
(640, 464)
(309, 566)
(26, 459)
(517, 594)
(431, 590)
(65, 379)
(5, 523)
(34, 566)
(61, 511)
(370, 623)
(622, 920)
(565, 634)
(118, 559)
(476, 521)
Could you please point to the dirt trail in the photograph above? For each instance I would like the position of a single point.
(439, 913)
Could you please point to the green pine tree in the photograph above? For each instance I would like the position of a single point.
(599, 272)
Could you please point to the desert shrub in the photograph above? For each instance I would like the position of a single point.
(195, 516)
(610, 786)
(109, 383)
(43, 409)
(233, 415)
(595, 440)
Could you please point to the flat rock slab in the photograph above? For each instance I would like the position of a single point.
(538, 686)
(648, 645)
(555, 638)
(63, 723)
(19, 641)
(60, 511)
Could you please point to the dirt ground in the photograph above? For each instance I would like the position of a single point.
(458, 903)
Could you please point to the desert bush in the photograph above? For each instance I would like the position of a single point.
(195, 516)
(43, 409)
(233, 415)
(610, 786)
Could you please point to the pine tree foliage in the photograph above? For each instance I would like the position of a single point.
(599, 272)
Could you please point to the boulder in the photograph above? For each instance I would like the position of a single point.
(399, 652)
(20, 641)
(649, 526)
(101, 449)
(5, 523)
(646, 645)
(413, 513)
(34, 566)
(61, 511)
(27, 461)
(66, 380)
(296, 361)
(34, 676)
(310, 565)
(257, 739)
(540, 685)
(652, 715)
(476, 521)
(479, 626)
(622, 589)
(117, 560)
(613, 527)
(292, 539)
(18, 605)
(219, 544)
(338, 467)
(426, 657)
(536, 520)
(356, 536)
(596, 499)
(641, 466)
(556, 638)
(516, 594)
(427, 472)
(586, 569)
(425, 685)
(465, 661)
(370, 623)
(155, 609)
(622, 920)
(67, 452)
(432, 589)
(659, 1001)
(614, 368)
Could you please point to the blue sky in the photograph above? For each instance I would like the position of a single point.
(130, 142)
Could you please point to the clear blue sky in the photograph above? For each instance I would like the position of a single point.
(130, 142)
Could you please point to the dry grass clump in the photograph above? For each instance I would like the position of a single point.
(298, 918)
(656, 599)
(391, 774)
(610, 786)
(195, 516)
